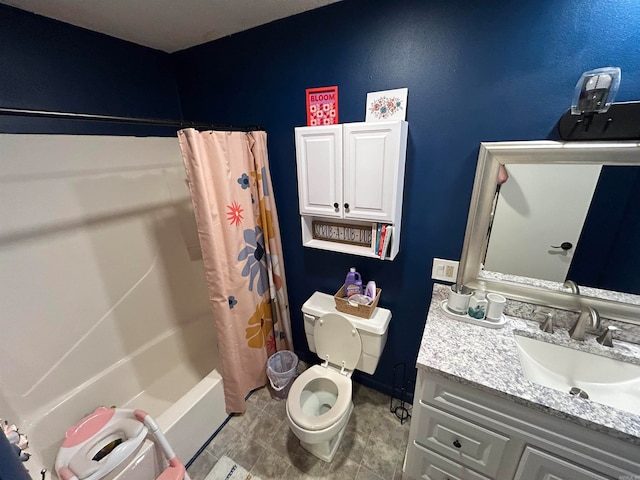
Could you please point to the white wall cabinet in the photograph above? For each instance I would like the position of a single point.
(460, 433)
(352, 172)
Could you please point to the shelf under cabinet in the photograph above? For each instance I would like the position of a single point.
(363, 251)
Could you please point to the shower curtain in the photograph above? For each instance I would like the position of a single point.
(230, 184)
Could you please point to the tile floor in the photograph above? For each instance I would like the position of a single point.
(260, 441)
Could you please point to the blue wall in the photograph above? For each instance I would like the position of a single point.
(476, 71)
(49, 65)
(607, 255)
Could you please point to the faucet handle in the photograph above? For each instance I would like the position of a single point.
(547, 324)
(544, 317)
(606, 337)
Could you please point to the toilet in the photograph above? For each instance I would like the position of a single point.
(319, 403)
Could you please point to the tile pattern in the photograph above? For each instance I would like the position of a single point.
(261, 441)
(487, 359)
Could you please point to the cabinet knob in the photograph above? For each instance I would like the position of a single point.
(457, 444)
(346, 206)
(335, 205)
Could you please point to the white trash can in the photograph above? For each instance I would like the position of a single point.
(282, 369)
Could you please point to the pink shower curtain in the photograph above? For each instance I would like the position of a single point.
(230, 183)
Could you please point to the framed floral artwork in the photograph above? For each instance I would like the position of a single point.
(322, 106)
(387, 105)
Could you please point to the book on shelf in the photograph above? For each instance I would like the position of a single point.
(374, 231)
(378, 233)
(383, 234)
(386, 247)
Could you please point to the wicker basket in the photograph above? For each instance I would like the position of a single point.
(362, 311)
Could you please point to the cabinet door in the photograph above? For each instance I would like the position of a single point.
(538, 465)
(319, 161)
(373, 168)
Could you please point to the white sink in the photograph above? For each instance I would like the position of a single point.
(605, 380)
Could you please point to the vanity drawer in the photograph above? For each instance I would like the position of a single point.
(538, 465)
(425, 464)
(448, 397)
(464, 442)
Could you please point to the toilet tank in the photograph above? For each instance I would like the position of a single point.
(373, 331)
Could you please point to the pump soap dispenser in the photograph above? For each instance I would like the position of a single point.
(478, 302)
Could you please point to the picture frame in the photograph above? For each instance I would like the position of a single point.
(322, 106)
(342, 233)
(387, 105)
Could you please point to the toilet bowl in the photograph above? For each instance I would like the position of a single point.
(319, 403)
(318, 408)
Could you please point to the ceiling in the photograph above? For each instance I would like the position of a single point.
(167, 25)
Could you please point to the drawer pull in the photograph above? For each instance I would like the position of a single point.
(457, 444)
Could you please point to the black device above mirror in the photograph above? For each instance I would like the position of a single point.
(620, 122)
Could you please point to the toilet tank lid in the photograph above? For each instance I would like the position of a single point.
(321, 303)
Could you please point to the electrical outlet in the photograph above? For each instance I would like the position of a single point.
(446, 270)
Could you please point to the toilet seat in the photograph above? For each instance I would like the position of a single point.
(338, 342)
(339, 408)
(339, 345)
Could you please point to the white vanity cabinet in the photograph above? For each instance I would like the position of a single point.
(352, 172)
(461, 433)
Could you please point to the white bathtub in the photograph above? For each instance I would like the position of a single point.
(174, 378)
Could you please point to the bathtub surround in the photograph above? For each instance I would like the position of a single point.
(103, 299)
(230, 183)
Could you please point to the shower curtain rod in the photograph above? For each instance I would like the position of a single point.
(22, 112)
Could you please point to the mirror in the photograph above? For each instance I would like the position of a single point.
(520, 157)
(562, 222)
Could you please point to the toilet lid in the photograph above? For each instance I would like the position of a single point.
(335, 336)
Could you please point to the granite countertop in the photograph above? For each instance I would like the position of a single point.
(487, 359)
(549, 285)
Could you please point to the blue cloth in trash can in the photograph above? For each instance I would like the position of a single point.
(282, 369)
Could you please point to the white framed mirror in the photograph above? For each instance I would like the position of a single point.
(489, 221)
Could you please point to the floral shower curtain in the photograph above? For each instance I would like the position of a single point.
(230, 184)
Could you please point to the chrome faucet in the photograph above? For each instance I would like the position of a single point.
(588, 314)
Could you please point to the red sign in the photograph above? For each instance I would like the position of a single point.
(322, 106)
